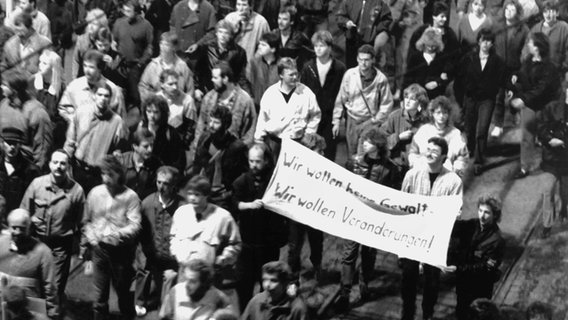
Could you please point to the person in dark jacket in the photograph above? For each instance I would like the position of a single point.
(263, 232)
(481, 249)
(323, 76)
(483, 74)
(293, 42)
(220, 156)
(537, 84)
(552, 130)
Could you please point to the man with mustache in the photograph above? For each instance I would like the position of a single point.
(55, 202)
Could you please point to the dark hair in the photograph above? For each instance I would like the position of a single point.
(142, 134)
(104, 85)
(549, 5)
(440, 7)
(483, 309)
(271, 39)
(279, 268)
(539, 308)
(286, 63)
(440, 142)
(367, 49)
(224, 24)
(291, 10)
(419, 92)
(486, 34)
(170, 37)
(518, 7)
(442, 102)
(200, 184)
(111, 163)
(134, 4)
(493, 203)
(204, 269)
(226, 70)
(104, 33)
(376, 137)
(322, 36)
(24, 18)
(166, 73)
(541, 41)
(173, 171)
(313, 141)
(161, 104)
(18, 82)
(222, 113)
(95, 56)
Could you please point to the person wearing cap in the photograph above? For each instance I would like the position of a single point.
(16, 171)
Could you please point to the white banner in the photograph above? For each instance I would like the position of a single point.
(312, 190)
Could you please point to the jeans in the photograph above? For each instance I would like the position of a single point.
(410, 279)
(350, 255)
(61, 249)
(113, 264)
(555, 199)
(477, 121)
(528, 131)
(296, 242)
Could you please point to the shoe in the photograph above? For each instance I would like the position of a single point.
(521, 174)
(545, 233)
(140, 311)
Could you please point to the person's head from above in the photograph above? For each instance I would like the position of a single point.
(19, 223)
(259, 158)
(485, 40)
(12, 140)
(225, 32)
(430, 41)
(113, 174)
(288, 71)
(17, 302)
(442, 112)
(484, 309)
(550, 11)
(415, 98)
(197, 191)
(488, 210)
(59, 165)
(167, 179)
(15, 87)
(169, 82)
(323, 43)
(155, 111)
(199, 278)
(512, 11)
(374, 143)
(314, 142)
(131, 9)
(23, 25)
(143, 142)
(220, 120)
(276, 276)
(287, 17)
(539, 311)
(103, 94)
(478, 7)
(103, 40)
(440, 13)
(244, 8)
(436, 152)
(96, 19)
(93, 64)
(268, 44)
(221, 76)
(538, 45)
(169, 43)
(365, 58)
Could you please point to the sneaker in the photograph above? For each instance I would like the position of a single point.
(140, 311)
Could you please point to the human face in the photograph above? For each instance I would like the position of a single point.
(170, 86)
(550, 16)
(486, 216)
(223, 36)
(219, 82)
(93, 27)
(166, 47)
(58, 165)
(368, 147)
(102, 99)
(153, 114)
(365, 61)
(485, 45)
(110, 179)
(243, 8)
(25, 4)
(21, 30)
(322, 50)
(144, 149)
(165, 185)
(284, 21)
(91, 70)
(477, 7)
(128, 11)
(19, 228)
(510, 12)
(533, 50)
(440, 20)
(197, 200)
(264, 49)
(441, 117)
(273, 286)
(103, 45)
(192, 282)
(257, 163)
(411, 103)
(434, 154)
(215, 125)
(44, 64)
(289, 77)
(11, 148)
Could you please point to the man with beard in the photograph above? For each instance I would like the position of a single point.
(55, 202)
(27, 262)
(196, 297)
(228, 94)
(263, 231)
(220, 155)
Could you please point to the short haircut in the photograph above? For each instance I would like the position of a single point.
(419, 93)
(18, 82)
(486, 34)
(493, 203)
(313, 141)
(541, 41)
(444, 103)
(484, 309)
(25, 19)
(134, 4)
(171, 38)
(549, 5)
(222, 113)
(111, 163)
(226, 25)
(95, 56)
(440, 142)
(483, 2)
(204, 269)
(141, 134)
(166, 73)
(271, 39)
(430, 37)
(62, 151)
(97, 16)
(286, 63)
(439, 8)
(161, 104)
(104, 34)
(199, 184)
(323, 36)
(172, 171)
(279, 268)
(366, 49)
(518, 7)
(291, 10)
(539, 308)
(226, 70)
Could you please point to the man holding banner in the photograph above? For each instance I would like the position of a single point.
(431, 180)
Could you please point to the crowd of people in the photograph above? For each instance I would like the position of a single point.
(151, 161)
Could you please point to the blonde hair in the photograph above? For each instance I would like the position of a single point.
(54, 61)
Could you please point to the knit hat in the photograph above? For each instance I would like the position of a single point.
(11, 134)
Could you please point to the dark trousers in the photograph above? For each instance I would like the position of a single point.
(85, 175)
(132, 95)
(410, 279)
(152, 285)
(478, 115)
(296, 242)
(349, 260)
(61, 249)
(469, 288)
(113, 264)
(249, 267)
(325, 131)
